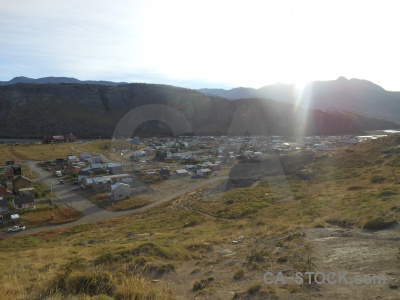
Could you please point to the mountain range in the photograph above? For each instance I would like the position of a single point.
(22, 79)
(353, 95)
(94, 110)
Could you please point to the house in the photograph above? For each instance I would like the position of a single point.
(8, 174)
(11, 171)
(95, 166)
(83, 174)
(138, 187)
(72, 159)
(137, 169)
(120, 191)
(86, 183)
(164, 173)
(97, 159)
(204, 172)
(21, 182)
(3, 205)
(60, 161)
(24, 202)
(115, 170)
(25, 191)
(86, 157)
(4, 191)
(16, 170)
(182, 173)
(54, 139)
(120, 178)
(70, 138)
(101, 183)
(215, 167)
(68, 169)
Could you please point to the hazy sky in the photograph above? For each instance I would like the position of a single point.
(203, 43)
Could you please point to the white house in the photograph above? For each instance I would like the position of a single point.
(204, 172)
(120, 191)
(182, 172)
(72, 159)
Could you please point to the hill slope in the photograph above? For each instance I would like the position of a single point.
(34, 110)
(22, 79)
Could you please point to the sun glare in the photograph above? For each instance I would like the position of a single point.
(302, 96)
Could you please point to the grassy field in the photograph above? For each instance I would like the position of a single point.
(39, 152)
(47, 152)
(42, 215)
(210, 244)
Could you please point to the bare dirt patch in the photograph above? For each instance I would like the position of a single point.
(358, 252)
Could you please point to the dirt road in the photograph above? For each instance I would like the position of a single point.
(91, 212)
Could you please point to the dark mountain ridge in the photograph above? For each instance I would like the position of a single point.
(22, 79)
(92, 111)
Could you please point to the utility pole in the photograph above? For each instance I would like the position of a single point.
(54, 216)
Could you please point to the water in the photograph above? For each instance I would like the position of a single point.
(20, 141)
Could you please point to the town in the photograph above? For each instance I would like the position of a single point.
(144, 169)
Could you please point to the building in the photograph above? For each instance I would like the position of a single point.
(120, 191)
(4, 191)
(83, 174)
(3, 205)
(86, 157)
(25, 202)
(182, 173)
(20, 182)
(204, 172)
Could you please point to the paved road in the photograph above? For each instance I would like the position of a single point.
(91, 212)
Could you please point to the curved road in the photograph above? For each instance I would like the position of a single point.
(91, 212)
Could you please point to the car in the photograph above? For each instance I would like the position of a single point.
(16, 228)
(62, 181)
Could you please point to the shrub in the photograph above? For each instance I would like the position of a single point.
(238, 275)
(257, 256)
(254, 289)
(378, 223)
(160, 270)
(355, 188)
(378, 179)
(199, 285)
(90, 283)
(386, 193)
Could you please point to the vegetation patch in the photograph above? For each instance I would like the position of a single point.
(386, 193)
(378, 223)
(199, 285)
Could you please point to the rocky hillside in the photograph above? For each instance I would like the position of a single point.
(34, 110)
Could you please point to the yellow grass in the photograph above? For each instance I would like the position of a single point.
(41, 152)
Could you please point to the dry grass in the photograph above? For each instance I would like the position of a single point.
(5, 154)
(43, 216)
(191, 238)
(43, 151)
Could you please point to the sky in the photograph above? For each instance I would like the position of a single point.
(198, 44)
